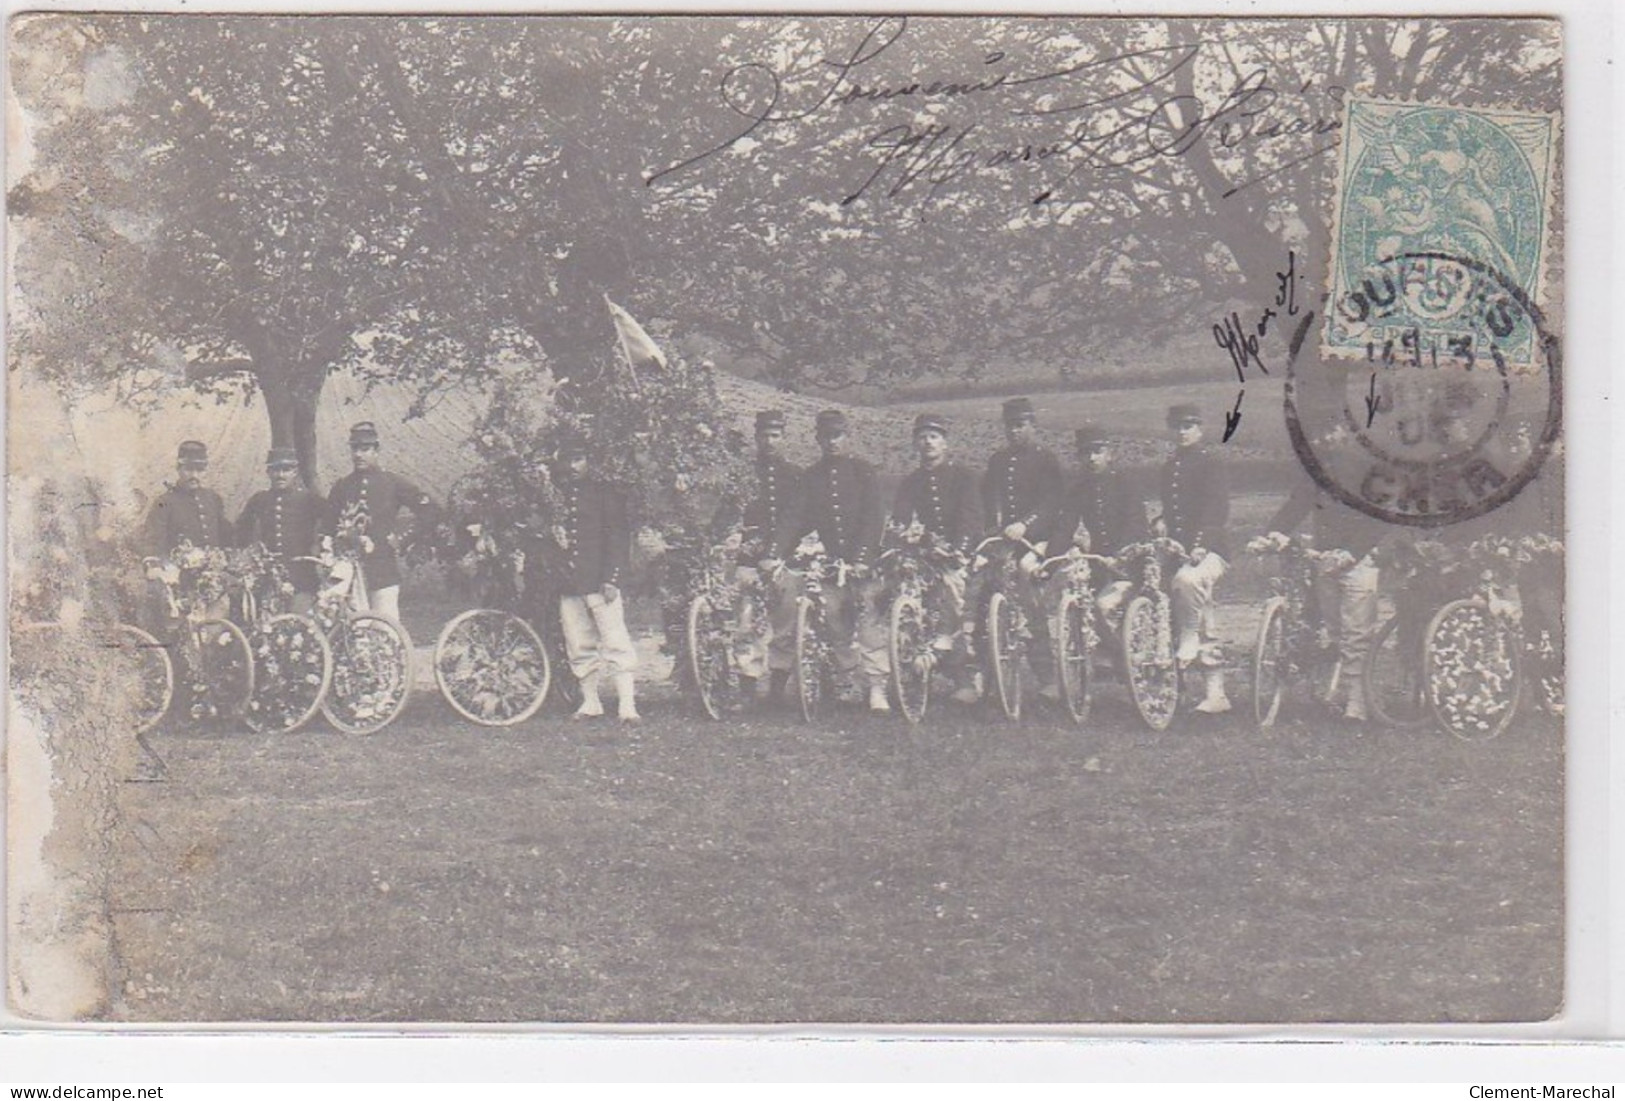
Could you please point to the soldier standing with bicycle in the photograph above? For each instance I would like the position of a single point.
(766, 519)
(373, 498)
(186, 513)
(1107, 509)
(941, 496)
(1019, 491)
(1195, 510)
(284, 519)
(840, 500)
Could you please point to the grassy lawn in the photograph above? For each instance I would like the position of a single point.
(858, 871)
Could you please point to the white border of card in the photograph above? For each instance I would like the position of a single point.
(1595, 786)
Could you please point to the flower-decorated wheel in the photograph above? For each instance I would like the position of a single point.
(1473, 672)
(812, 659)
(710, 656)
(293, 665)
(1074, 654)
(1006, 652)
(911, 658)
(492, 667)
(372, 673)
(221, 665)
(1148, 661)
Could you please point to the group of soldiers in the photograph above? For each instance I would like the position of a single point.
(1022, 496)
(592, 536)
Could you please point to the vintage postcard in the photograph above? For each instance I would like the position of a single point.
(742, 520)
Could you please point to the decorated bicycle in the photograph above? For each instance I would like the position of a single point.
(1475, 649)
(372, 653)
(815, 667)
(725, 626)
(1297, 642)
(1068, 579)
(1006, 629)
(921, 636)
(1144, 631)
(210, 655)
(490, 664)
(293, 663)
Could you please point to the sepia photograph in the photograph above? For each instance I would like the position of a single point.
(751, 520)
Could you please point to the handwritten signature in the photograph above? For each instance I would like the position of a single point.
(1112, 113)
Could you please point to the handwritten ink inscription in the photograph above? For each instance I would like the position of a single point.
(1005, 119)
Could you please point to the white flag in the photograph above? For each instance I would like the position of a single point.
(640, 349)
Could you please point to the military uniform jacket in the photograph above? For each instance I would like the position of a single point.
(1021, 486)
(595, 536)
(1105, 504)
(286, 522)
(195, 516)
(1196, 499)
(840, 500)
(770, 514)
(382, 495)
(945, 502)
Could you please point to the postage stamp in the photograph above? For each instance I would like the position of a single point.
(1417, 178)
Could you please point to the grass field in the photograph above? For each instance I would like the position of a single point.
(761, 871)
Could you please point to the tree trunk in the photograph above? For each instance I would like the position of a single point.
(292, 412)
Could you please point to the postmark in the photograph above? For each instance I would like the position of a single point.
(1430, 429)
(1421, 178)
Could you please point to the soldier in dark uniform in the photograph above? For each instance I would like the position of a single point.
(941, 496)
(1100, 512)
(284, 520)
(840, 501)
(1019, 491)
(593, 535)
(1195, 511)
(764, 526)
(375, 497)
(187, 512)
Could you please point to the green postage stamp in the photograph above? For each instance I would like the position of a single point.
(1425, 195)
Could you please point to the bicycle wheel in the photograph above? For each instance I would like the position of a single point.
(492, 667)
(372, 673)
(1472, 670)
(293, 666)
(811, 660)
(140, 662)
(225, 669)
(1074, 656)
(1269, 663)
(1148, 662)
(708, 655)
(911, 657)
(1394, 689)
(1005, 652)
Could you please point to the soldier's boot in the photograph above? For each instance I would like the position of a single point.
(1354, 710)
(625, 703)
(748, 690)
(592, 706)
(967, 686)
(879, 703)
(1214, 701)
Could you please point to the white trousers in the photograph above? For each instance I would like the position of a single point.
(1191, 594)
(761, 647)
(385, 601)
(595, 635)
